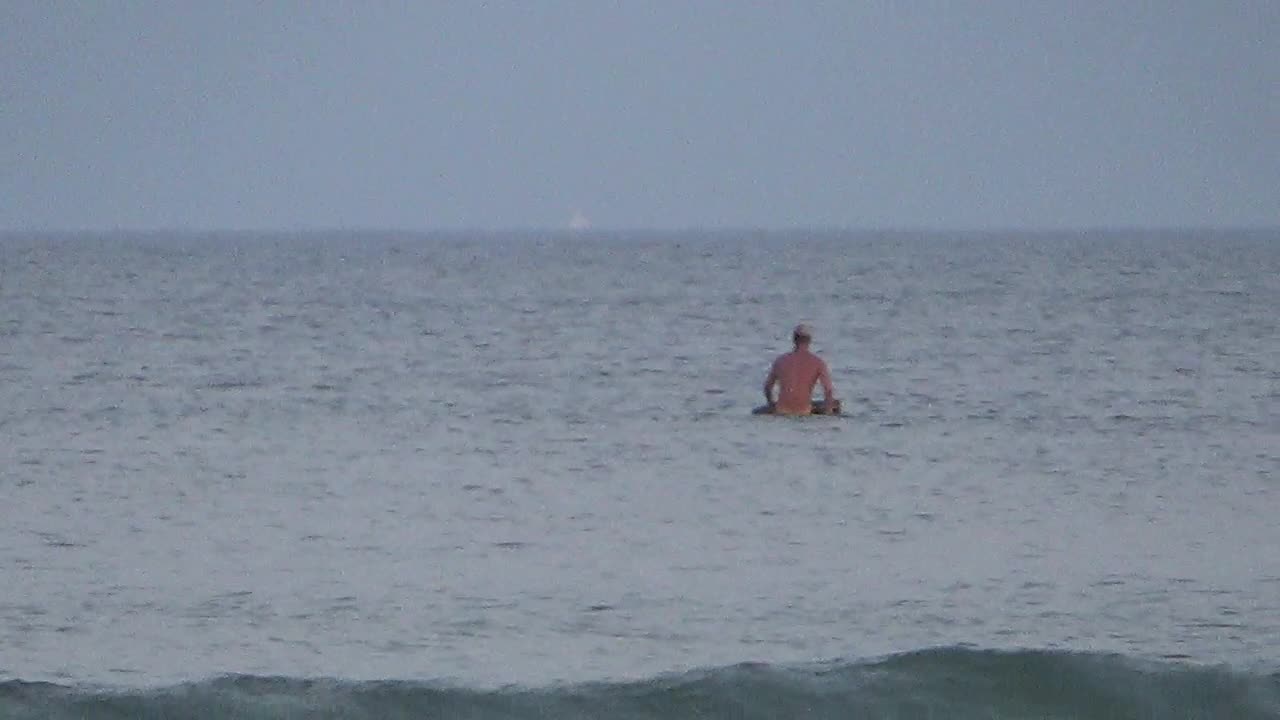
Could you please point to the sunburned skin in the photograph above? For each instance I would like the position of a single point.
(795, 374)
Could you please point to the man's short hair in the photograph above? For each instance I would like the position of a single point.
(802, 332)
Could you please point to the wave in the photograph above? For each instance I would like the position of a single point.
(952, 683)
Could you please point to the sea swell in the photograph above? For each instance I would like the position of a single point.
(953, 683)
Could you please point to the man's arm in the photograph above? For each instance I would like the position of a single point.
(828, 390)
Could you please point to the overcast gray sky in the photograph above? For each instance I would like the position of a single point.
(645, 114)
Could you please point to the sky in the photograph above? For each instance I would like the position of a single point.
(652, 114)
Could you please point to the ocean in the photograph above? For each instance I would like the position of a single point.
(515, 475)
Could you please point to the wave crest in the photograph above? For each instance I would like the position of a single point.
(935, 683)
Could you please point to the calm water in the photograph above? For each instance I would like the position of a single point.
(529, 460)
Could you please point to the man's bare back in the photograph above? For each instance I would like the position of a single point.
(796, 373)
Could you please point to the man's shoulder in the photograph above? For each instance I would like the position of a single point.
(799, 358)
(814, 360)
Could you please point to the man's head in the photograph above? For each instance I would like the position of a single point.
(802, 335)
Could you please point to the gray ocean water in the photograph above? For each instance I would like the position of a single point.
(524, 458)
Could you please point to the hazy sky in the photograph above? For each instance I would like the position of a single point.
(644, 114)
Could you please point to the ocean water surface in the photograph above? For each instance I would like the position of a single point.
(516, 475)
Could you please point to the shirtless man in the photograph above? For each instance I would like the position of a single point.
(795, 373)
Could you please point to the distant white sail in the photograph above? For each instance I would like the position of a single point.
(579, 221)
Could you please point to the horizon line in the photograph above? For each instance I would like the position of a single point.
(599, 231)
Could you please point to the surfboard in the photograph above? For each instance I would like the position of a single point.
(816, 409)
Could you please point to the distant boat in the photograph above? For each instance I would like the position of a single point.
(579, 221)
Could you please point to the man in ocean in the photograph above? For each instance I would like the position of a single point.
(796, 373)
